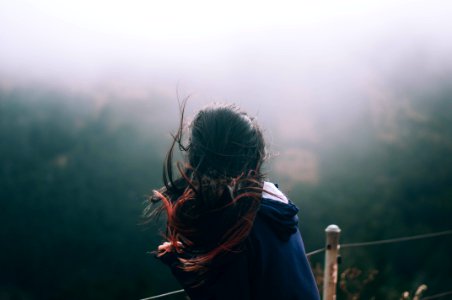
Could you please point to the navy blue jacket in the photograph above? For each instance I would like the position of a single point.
(272, 265)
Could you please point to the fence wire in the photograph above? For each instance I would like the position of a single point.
(164, 295)
(436, 296)
(309, 254)
(396, 240)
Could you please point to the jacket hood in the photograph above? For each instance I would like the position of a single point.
(278, 212)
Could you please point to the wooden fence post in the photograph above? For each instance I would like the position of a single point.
(330, 269)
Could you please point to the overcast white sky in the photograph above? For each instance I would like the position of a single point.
(48, 37)
(223, 50)
(306, 65)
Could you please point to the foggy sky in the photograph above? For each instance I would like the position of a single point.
(231, 46)
(307, 67)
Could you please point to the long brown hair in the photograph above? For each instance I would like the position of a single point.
(212, 203)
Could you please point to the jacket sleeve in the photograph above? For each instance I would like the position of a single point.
(280, 268)
(230, 280)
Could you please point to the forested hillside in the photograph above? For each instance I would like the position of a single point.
(74, 176)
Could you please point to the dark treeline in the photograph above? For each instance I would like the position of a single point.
(73, 179)
(388, 178)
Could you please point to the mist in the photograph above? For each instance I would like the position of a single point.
(354, 99)
(263, 51)
(306, 67)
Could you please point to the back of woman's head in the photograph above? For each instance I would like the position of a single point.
(225, 142)
(211, 206)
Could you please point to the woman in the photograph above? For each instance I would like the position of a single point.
(230, 234)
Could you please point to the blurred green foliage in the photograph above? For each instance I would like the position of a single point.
(73, 178)
(72, 182)
(380, 183)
